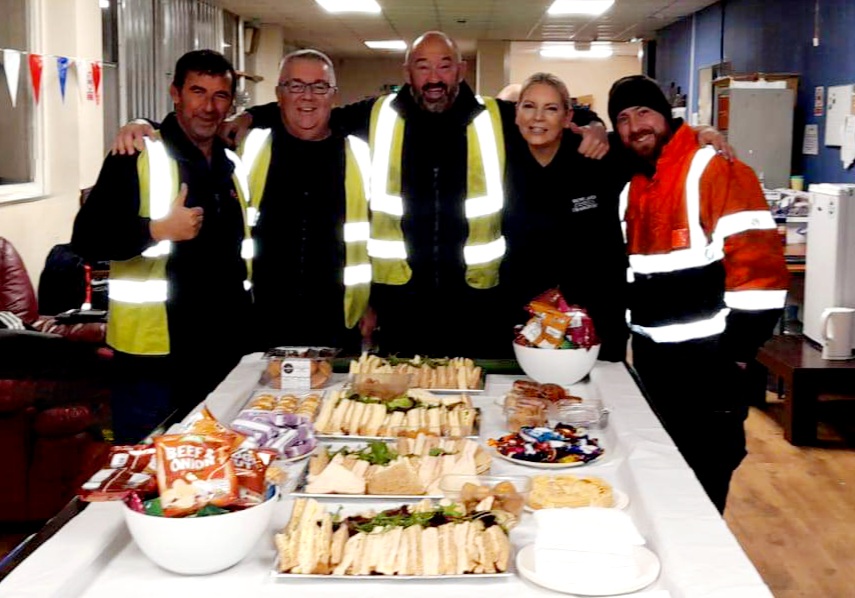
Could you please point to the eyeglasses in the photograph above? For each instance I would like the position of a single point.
(295, 86)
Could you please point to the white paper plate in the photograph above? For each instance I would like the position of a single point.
(537, 465)
(621, 501)
(277, 575)
(648, 570)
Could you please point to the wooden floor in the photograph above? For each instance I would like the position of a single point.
(793, 508)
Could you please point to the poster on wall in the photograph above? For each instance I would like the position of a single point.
(818, 101)
(810, 145)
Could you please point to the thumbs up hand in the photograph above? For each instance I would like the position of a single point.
(181, 223)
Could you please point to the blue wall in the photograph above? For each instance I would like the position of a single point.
(771, 37)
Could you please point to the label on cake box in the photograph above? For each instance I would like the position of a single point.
(296, 373)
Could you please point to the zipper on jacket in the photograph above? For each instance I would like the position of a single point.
(436, 214)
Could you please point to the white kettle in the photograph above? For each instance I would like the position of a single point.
(837, 324)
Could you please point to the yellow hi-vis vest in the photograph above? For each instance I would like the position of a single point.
(485, 196)
(138, 288)
(256, 152)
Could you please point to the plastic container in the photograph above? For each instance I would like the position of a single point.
(383, 386)
(298, 368)
(529, 413)
(454, 487)
(200, 545)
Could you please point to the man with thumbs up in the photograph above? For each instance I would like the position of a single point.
(172, 222)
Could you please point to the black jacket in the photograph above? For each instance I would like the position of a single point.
(300, 254)
(207, 305)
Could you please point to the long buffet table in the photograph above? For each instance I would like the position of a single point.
(93, 555)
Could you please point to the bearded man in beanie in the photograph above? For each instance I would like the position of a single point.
(708, 279)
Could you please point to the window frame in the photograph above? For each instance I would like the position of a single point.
(37, 188)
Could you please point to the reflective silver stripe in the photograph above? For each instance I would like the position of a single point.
(247, 285)
(701, 252)
(362, 155)
(702, 157)
(159, 249)
(247, 249)
(160, 183)
(678, 333)
(484, 253)
(630, 275)
(354, 275)
(137, 291)
(740, 222)
(681, 259)
(383, 249)
(495, 198)
(624, 203)
(381, 200)
(255, 140)
(354, 232)
(241, 173)
(483, 206)
(756, 300)
(251, 216)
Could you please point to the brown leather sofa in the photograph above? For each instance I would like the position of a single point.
(54, 397)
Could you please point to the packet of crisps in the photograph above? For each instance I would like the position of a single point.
(580, 331)
(194, 471)
(204, 423)
(552, 298)
(251, 471)
(129, 468)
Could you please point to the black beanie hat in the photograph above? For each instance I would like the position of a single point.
(637, 90)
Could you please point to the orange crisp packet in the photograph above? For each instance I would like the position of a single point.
(204, 423)
(251, 470)
(193, 471)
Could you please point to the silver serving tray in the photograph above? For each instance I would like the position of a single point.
(476, 433)
(376, 577)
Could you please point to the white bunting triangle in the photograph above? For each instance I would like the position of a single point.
(12, 66)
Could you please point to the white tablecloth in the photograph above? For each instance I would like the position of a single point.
(94, 556)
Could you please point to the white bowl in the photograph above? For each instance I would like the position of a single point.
(200, 545)
(556, 366)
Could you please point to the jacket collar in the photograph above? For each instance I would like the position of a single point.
(182, 149)
(463, 111)
(683, 141)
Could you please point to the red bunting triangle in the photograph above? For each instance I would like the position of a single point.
(96, 79)
(36, 74)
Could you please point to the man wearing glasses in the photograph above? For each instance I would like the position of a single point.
(311, 271)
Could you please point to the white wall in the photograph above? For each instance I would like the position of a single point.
(265, 62)
(360, 78)
(73, 135)
(582, 76)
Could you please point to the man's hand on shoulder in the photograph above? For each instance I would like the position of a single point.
(180, 224)
(129, 139)
(595, 140)
(710, 136)
(234, 129)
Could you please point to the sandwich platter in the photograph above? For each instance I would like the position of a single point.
(474, 433)
(419, 541)
(407, 468)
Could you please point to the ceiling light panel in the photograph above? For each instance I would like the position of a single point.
(579, 7)
(366, 6)
(387, 44)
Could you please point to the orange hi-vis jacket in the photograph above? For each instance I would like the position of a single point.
(704, 251)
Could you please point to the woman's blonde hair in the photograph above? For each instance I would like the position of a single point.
(547, 79)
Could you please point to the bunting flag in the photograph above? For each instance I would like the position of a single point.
(62, 64)
(96, 79)
(84, 73)
(12, 65)
(36, 74)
